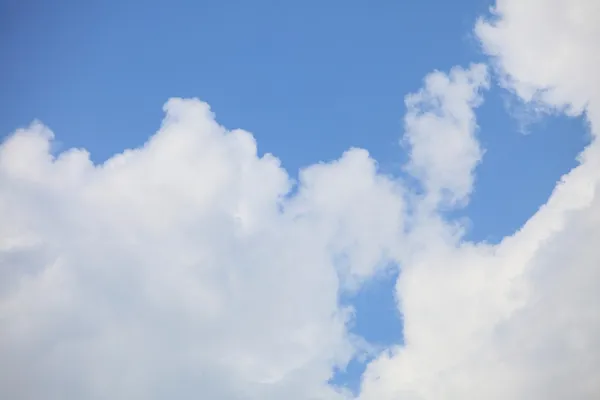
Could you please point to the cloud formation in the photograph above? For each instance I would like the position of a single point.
(179, 267)
(188, 267)
(517, 320)
(547, 51)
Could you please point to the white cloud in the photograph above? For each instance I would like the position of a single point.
(547, 50)
(184, 268)
(178, 269)
(517, 320)
(440, 130)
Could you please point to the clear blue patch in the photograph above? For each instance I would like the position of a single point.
(519, 170)
(350, 377)
(376, 319)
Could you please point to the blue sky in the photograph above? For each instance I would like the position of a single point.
(309, 79)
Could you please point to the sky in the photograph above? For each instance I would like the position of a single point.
(302, 200)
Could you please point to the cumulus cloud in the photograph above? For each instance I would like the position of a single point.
(517, 320)
(181, 268)
(188, 267)
(547, 50)
(185, 266)
(440, 131)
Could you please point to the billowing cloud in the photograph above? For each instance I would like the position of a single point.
(547, 50)
(188, 267)
(516, 320)
(180, 268)
(440, 131)
(521, 319)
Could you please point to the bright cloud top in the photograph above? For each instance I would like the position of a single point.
(188, 267)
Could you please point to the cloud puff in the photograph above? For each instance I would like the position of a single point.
(547, 50)
(440, 132)
(517, 320)
(182, 268)
(186, 266)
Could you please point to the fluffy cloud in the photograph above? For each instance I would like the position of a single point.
(188, 267)
(182, 268)
(547, 50)
(440, 132)
(517, 320)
